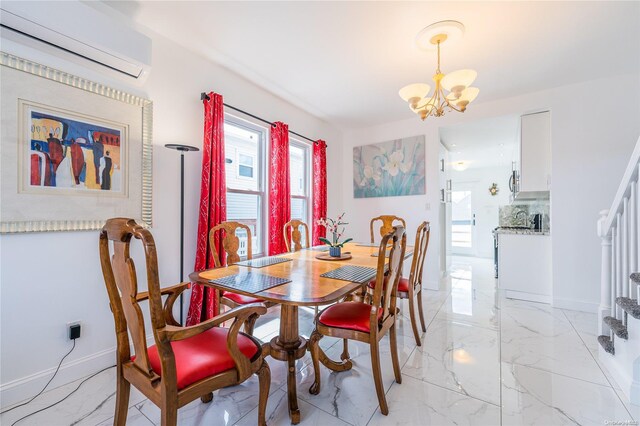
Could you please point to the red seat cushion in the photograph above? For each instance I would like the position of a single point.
(203, 355)
(403, 284)
(349, 315)
(241, 299)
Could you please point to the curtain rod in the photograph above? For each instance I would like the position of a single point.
(204, 96)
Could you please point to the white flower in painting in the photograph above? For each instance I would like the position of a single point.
(406, 167)
(394, 164)
(370, 173)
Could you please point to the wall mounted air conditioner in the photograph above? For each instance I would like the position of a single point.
(74, 28)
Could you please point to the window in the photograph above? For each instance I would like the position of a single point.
(244, 148)
(245, 165)
(299, 170)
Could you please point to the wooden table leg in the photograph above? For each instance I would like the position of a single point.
(288, 346)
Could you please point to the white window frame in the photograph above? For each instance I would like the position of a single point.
(261, 176)
(308, 148)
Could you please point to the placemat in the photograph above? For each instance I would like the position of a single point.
(263, 261)
(250, 282)
(354, 274)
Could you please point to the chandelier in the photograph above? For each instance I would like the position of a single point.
(457, 84)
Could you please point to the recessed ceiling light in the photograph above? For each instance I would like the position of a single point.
(460, 166)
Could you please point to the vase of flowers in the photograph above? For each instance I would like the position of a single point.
(333, 228)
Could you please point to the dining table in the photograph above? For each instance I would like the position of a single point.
(304, 287)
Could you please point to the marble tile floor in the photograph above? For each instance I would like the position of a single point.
(485, 360)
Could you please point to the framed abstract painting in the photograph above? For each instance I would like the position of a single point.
(73, 152)
(390, 169)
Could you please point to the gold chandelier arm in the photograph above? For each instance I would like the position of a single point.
(451, 106)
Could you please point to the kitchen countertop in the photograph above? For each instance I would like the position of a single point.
(521, 231)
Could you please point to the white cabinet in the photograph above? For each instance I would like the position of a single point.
(535, 153)
(524, 266)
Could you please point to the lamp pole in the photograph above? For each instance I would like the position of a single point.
(182, 149)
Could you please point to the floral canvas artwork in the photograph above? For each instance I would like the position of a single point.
(389, 169)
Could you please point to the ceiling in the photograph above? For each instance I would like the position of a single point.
(482, 143)
(345, 61)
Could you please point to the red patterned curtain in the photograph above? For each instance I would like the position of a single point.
(319, 190)
(279, 187)
(213, 206)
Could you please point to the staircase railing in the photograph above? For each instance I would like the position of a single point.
(619, 229)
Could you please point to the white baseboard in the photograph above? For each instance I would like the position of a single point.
(622, 379)
(575, 305)
(531, 297)
(26, 387)
(634, 392)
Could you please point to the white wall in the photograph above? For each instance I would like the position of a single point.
(65, 284)
(414, 209)
(592, 138)
(484, 205)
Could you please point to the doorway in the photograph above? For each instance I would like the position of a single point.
(478, 157)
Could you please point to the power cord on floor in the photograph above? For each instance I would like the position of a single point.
(48, 383)
(68, 395)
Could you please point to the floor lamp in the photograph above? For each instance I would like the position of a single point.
(182, 149)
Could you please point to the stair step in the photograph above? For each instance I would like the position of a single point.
(635, 277)
(629, 305)
(617, 327)
(607, 344)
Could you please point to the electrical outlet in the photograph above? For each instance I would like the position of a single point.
(73, 329)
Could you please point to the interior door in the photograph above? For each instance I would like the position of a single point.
(463, 220)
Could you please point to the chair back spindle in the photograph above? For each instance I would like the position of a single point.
(293, 236)
(384, 296)
(419, 253)
(230, 242)
(387, 225)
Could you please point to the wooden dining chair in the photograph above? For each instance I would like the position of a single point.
(231, 245)
(387, 225)
(365, 322)
(293, 236)
(186, 362)
(411, 288)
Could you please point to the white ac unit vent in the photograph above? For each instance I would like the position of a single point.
(80, 30)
